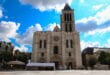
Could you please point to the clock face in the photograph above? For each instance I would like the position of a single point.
(56, 38)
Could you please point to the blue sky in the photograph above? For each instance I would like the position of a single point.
(20, 18)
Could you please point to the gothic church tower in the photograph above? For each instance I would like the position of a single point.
(67, 19)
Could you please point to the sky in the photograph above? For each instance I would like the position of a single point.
(19, 19)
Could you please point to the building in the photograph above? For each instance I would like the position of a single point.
(92, 52)
(95, 51)
(60, 46)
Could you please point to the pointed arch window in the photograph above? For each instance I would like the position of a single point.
(69, 53)
(40, 45)
(65, 17)
(71, 43)
(66, 27)
(70, 27)
(45, 43)
(67, 45)
(70, 16)
(55, 50)
(42, 54)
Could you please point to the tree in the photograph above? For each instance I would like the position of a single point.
(108, 60)
(104, 58)
(22, 57)
(16, 53)
(6, 56)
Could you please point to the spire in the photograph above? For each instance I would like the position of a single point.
(67, 7)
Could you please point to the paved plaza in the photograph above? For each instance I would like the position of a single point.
(67, 72)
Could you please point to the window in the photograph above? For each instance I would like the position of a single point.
(45, 43)
(55, 49)
(66, 28)
(65, 17)
(40, 45)
(42, 54)
(70, 28)
(71, 43)
(70, 17)
(67, 44)
(56, 64)
(69, 53)
(69, 66)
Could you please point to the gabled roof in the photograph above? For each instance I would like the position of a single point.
(67, 7)
(56, 29)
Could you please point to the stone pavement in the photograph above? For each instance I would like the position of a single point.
(67, 72)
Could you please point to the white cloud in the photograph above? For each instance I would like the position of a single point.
(99, 18)
(26, 38)
(107, 45)
(43, 5)
(95, 23)
(81, 1)
(108, 40)
(103, 16)
(97, 7)
(8, 30)
(22, 48)
(99, 31)
(1, 13)
(85, 44)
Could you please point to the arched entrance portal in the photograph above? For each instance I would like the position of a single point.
(69, 65)
(55, 50)
(56, 64)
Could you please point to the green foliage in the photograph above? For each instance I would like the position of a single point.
(108, 60)
(22, 57)
(6, 56)
(104, 58)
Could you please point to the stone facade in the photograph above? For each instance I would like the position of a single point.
(61, 46)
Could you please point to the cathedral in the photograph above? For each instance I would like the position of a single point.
(60, 46)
